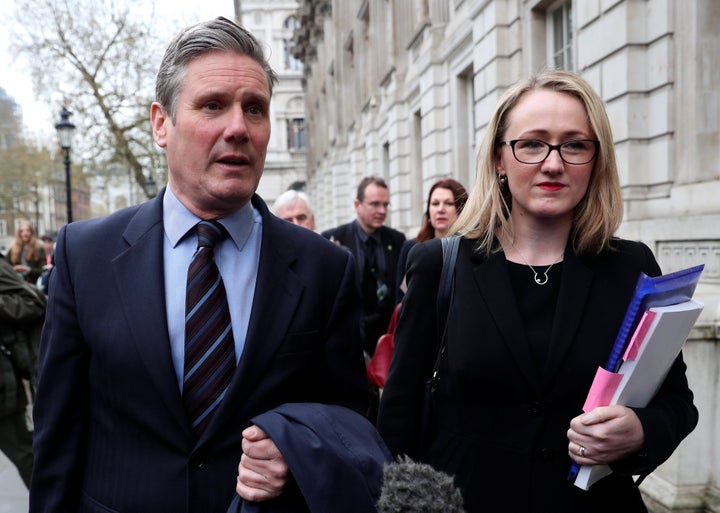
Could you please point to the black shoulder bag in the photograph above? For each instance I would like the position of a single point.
(445, 288)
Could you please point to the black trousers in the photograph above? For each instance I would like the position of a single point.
(16, 443)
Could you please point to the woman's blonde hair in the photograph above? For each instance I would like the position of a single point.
(600, 211)
(32, 248)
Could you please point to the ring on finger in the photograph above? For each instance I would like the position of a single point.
(581, 452)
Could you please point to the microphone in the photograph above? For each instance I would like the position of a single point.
(411, 487)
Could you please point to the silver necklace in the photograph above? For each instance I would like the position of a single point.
(539, 278)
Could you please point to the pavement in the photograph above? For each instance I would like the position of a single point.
(13, 494)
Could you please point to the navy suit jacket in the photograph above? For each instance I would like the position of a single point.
(335, 455)
(111, 431)
(391, 243)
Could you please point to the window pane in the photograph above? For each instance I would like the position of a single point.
(562, 36)
(296, 134)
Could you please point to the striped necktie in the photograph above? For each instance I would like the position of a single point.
(209, 345)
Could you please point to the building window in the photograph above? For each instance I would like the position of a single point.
(291, 23)
(560, 36)
(465, 127)
(296, 134)
(291, 62)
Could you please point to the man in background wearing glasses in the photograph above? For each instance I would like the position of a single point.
(376, 248)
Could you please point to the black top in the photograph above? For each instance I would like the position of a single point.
(536, 304)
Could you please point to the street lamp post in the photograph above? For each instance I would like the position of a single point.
(65, 130)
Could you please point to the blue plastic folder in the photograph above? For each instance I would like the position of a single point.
(665, 290)
(668, 289)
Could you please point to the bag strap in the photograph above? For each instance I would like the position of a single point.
(445, 288)
(447, 278)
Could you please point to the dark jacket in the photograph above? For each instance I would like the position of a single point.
(402, 267)
(376, 323)
(502, 420)
(335, 456)
(111, 430)
(36, 265)
(22, 309)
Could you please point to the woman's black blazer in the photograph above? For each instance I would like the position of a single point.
(502, 420)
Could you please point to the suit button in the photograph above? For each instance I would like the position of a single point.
(196, 462)
(536, 408)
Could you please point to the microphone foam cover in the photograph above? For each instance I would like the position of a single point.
(411, 487)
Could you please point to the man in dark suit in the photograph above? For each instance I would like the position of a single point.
(115, 426)
(376, 248)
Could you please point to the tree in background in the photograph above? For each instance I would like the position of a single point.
(101, 57)
(24, 169)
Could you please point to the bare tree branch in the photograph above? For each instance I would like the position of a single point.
(100, 58)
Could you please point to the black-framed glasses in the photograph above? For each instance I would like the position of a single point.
(534, 151)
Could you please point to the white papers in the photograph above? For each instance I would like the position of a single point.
(656, 342)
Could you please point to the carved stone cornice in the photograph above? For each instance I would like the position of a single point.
(311, 14)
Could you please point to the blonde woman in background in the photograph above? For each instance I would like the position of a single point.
(26, 253)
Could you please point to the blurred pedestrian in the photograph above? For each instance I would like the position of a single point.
(376, 248)
(26, 253)
(446, 200)
(294, 206)
(49, 246)
(22, 309)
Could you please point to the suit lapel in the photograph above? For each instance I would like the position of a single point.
(493, 281)
(494, 284)
(277, 292)
(387, 243)
(346, 236)
(572, 300)
(139, 278)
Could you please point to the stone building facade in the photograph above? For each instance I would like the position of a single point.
(404, 88)
(274, 22)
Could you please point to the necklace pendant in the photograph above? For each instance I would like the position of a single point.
(541, 279)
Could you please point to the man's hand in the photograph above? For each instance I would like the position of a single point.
(262, 472)
(604, 435)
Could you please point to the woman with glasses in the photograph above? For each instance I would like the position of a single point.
(541, 285)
